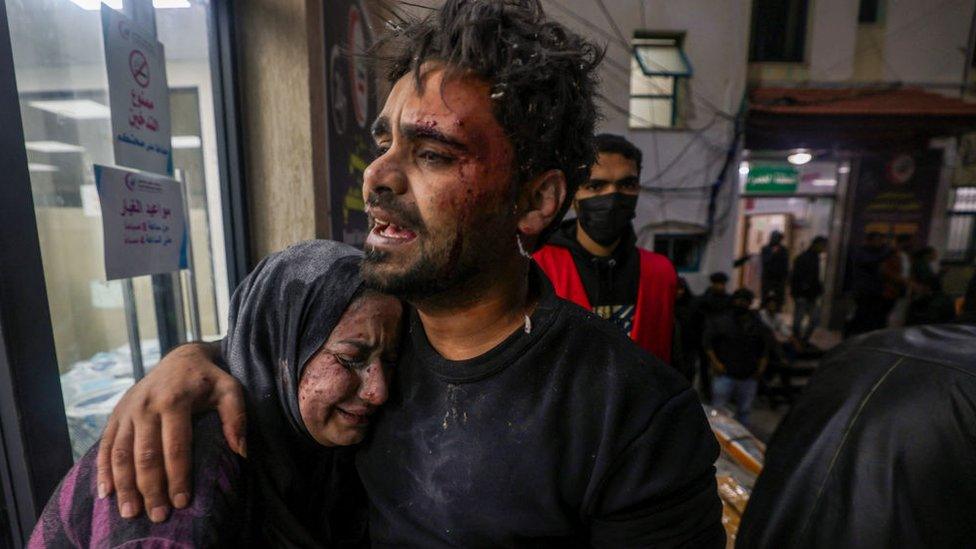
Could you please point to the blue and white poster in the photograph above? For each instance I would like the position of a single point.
(143, 224)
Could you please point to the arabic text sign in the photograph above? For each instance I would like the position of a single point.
(772, 179)
(142, 221)
(138, 95)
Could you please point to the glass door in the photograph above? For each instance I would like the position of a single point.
(62, 84)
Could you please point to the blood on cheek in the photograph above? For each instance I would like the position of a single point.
(325, 383)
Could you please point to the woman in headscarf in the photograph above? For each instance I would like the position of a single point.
(313, 350)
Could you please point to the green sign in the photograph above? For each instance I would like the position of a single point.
(772, 179)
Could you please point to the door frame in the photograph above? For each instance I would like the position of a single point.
(36, 451)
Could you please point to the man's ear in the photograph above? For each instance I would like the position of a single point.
(540, 202)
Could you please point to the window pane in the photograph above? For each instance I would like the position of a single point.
(662, 59)
(960, 240)
(641, 84)
(60, 69)
(685, 254)
(648, 113)
(869, 11)
(684, 251)
(965, 200)
(778, 30)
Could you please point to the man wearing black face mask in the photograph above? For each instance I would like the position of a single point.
(594, 260)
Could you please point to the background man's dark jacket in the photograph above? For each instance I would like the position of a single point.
(879, 451)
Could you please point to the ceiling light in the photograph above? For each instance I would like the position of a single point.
(166, 4)
(845, 168)
(95, 5)
(744, 168)
(185, 141)
(53, 147)
(37, 167)
(824, 182)
(800, 157)
(79, 109)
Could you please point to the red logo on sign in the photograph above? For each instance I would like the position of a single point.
(139, 66)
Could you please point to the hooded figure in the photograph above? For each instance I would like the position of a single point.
(291, 491)
(775, 267)
(280, 316)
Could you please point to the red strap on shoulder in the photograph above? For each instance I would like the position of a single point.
(654, 318)
(557, 263)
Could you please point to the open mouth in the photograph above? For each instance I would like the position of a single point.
(353, 418)
(387, 232)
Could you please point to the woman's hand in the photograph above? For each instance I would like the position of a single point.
(145, 451)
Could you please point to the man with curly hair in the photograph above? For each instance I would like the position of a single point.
(515, 418)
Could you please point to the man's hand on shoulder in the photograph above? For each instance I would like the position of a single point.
(145, 452)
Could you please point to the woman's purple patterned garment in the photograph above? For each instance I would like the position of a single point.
(76, 517)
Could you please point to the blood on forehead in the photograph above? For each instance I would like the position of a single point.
(460, 107)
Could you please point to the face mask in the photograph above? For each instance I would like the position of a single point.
(604, 218)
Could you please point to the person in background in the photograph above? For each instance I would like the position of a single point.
(713, 301)
(925, 265)
(806, 289)
(873, 298)
(967, 303)
(782, 334)
(898, 269)
(929, 305)
(878, 449)
(775, 266)
(687, 331)
(594, 260)
(737, 345)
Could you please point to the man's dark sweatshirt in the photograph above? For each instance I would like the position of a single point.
(569, 435)
(612, 282)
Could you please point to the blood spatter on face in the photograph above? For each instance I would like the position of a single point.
(464, 227)
(328, 387)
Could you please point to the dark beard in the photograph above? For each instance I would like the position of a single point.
(427, 278)
(450, 274)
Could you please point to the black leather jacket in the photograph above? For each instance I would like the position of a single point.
(880, 451)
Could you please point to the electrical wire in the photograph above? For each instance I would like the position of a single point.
(431, 8)
(610, 20)
(628, 48)
(621, 41)
(677, 158)
(626, 112)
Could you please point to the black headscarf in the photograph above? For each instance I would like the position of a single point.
(280, 316)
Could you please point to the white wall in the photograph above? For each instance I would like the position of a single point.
(716, 43)
(926, 40)
(831, 37)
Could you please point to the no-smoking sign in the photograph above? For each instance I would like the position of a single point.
(138, 93)
(139, 66)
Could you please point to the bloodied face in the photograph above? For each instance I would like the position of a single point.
(346, 380)
(440, 195)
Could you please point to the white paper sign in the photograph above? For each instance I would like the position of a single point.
(138, 95)
(143, 225)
